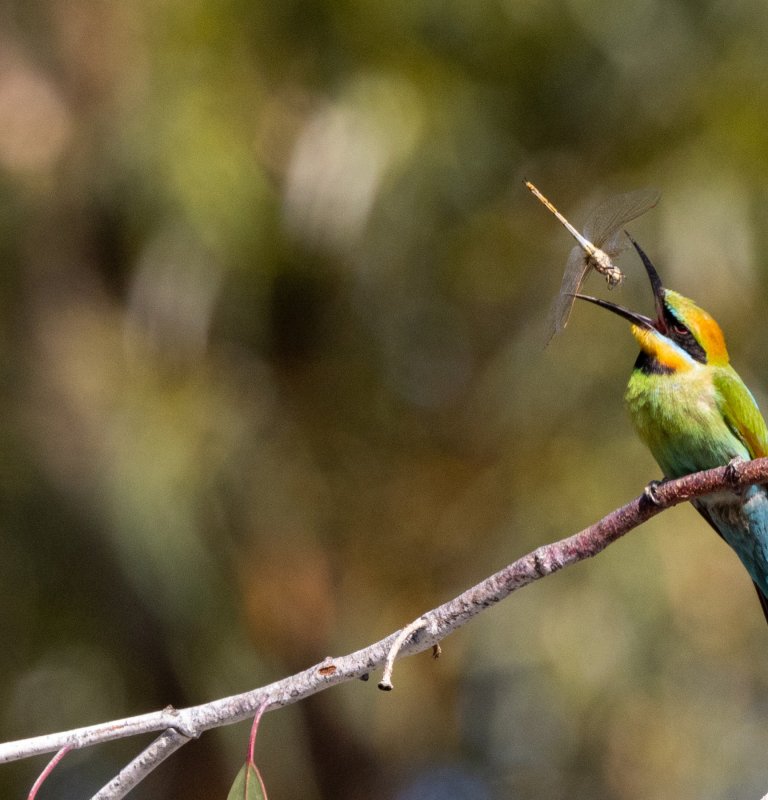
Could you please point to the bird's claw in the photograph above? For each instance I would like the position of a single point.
(733, 469)
(651, 492)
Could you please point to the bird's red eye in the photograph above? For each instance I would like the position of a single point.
(680, 330)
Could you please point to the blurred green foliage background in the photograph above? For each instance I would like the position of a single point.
(273, 305)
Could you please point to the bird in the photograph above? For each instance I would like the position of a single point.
(693, 411)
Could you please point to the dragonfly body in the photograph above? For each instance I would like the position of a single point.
(602, 241)
(585, 251)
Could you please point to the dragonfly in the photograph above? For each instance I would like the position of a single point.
(603, 239)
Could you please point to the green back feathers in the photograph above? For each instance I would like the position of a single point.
(740, 411)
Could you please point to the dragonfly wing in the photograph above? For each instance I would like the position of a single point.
(575, 271)
(615, 243)
(610, 217)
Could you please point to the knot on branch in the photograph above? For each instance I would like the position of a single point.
(176, 722)
(545, 561)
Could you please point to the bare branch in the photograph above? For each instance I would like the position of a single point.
(180, 726)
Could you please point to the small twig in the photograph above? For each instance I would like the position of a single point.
(133, 773)
(252, 746)
(385, 684)
(255, 727)
(50, 766)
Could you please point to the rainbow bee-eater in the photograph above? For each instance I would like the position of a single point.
(693, 412)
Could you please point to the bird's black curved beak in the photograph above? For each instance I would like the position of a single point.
(632, 316)
(656, 285)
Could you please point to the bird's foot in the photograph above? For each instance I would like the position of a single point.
(733, 469)
(650, 493)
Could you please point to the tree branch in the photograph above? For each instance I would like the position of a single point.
(179, 726)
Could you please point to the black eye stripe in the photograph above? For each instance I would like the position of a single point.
(682, 336)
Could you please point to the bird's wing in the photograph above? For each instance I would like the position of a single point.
(763, 599)
(740, 412)
(743, 417)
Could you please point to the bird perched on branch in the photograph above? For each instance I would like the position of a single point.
(693, 412)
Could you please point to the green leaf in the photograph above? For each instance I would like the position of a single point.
(248, 784)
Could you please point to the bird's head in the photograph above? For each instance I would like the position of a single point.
(682, 335)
